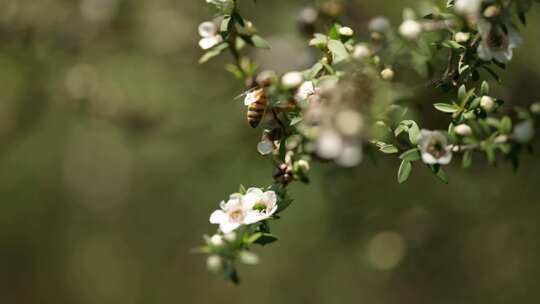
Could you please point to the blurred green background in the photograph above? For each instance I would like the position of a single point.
(115, 146)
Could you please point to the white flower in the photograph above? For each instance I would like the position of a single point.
(387, 74)
(346, 31)
(209, 32)
(216, 240)
(253, 96)
(410, 29)
(305, 90)
(434, 147)
(379, 24)
(463, 130)
(361, 51)
(487, 103)
(231, 215)
(523, 132)
(261, 205)
(292, 80)
(496, 43)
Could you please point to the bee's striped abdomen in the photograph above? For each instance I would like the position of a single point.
(257, 109)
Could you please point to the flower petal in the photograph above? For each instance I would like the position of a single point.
(253, 217)
(270, 197)
(227, 226)
(446, 159)
(218, 217)
(209, 42)
(207, 29)
(429, 159)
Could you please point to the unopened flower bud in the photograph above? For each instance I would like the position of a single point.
(387, 74)
(501, 139)
(535, 108)
(265, 78)
(216, 240)
(307, 19)
(303, 165)
(332, 8)
(214, 263)
(492, 11)
(462, 37)
(346, 31)
(249, 27)
(463, 130)
(379, 24)
(361, 51)
(292, 80)
(487, 103)
(265, 147)
(410, 29)
(248, 257)
(523, 132)
(230, 237)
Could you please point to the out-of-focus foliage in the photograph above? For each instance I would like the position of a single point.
(115, 146)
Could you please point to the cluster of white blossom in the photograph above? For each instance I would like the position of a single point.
(346, 103)
(244, 209)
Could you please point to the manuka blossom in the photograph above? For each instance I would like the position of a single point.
(496, 43)
(305, 90)
(250, 208)
(434, 147)
(209, 32)
(232, 214)
(261, 205)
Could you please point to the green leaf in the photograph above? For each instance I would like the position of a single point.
(414, 131)
(259, 42)
(404, 171)
(213, 52)
(411, 155)
(506, 125)
(265, 239)
(446, 107)
(242, 189)
(334, 31)
(225, 24)
(338, 50)
(389, 149)
(296, 120)
(319, 40)
(452, 44)
(461, 92)
(484, 90)
(313, 71)
(283, 149)
(467, 159)
(440, 173)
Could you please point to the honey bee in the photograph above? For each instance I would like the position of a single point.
(256, 101)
